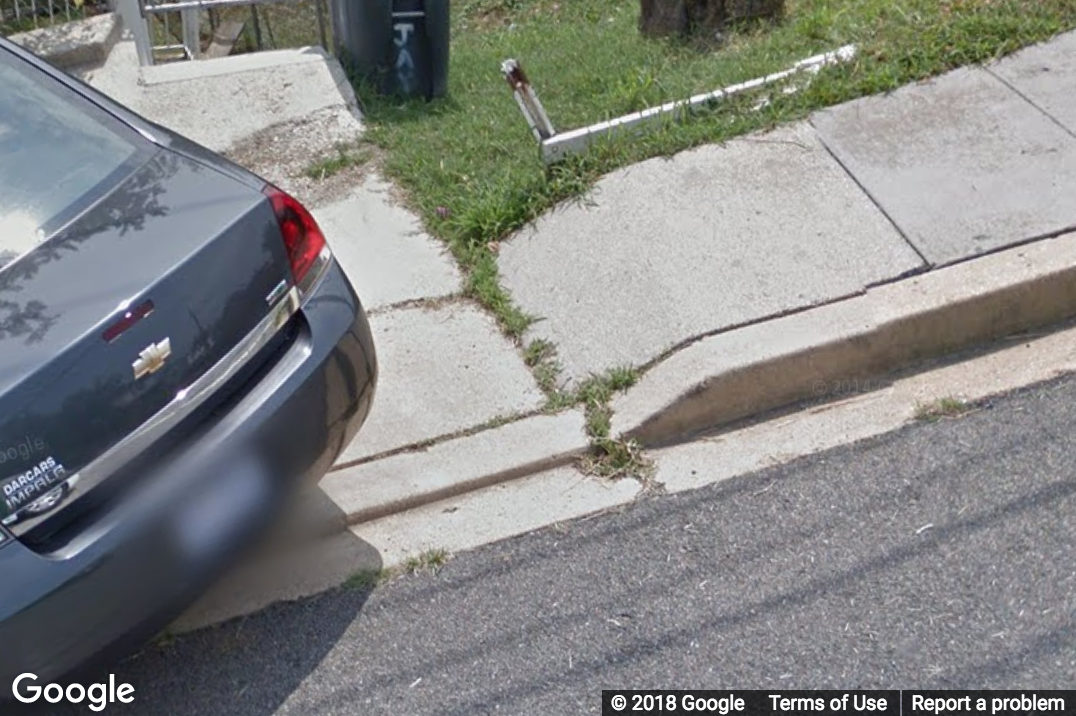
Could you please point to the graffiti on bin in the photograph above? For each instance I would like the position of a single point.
(405, 61)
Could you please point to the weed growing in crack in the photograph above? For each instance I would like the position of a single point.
(497, 421)
(613, 459)
(598, 390)
(429, 561)
(610, 458)
(366, 579)
(538, 351)
(947, 407)
(541, 357)
(345, 158)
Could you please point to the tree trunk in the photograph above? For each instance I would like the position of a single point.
(686, 18)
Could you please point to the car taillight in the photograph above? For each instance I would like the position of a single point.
(303, 239)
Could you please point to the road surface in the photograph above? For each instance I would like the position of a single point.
(942, 555)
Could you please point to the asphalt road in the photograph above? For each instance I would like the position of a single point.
(943, 556)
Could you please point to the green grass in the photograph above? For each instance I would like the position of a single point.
(593, 393)
(345, 158)
(948, 407)
(471, 168)
(366, 579)
(611, 457)
(430, 560)
(614, 459)
(61, 14)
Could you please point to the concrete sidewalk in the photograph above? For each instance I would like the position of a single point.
(863, 194)
(665, 253)
(733, 278)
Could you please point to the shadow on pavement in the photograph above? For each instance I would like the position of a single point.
(246, 664)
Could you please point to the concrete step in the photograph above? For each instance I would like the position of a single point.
(73, 45)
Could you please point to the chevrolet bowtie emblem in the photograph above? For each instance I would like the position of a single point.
(152, 358)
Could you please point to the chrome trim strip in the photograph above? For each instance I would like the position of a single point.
(316, 272)
(186, 402)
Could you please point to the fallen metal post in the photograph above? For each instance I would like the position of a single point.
(528, 101)
(556, 147)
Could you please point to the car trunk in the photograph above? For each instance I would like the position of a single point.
(105, 323)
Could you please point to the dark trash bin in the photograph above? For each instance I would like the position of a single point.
(400, 46)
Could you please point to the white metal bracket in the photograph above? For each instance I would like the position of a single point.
(556, 147)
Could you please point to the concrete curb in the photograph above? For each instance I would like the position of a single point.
(73, 44)
(735, 375)
(266, 60)
(407, 480)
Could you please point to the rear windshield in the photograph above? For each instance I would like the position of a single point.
(56, 152)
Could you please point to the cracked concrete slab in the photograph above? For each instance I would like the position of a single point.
(295, 568)
(1046, 75)
(443, 370)
(962, 164)
(670, 249)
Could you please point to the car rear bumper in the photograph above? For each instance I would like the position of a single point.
(128, 577)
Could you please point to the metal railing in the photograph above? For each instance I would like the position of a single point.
(173, 29)
(22, 15)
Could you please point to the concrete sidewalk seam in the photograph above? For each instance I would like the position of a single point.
(926, 264)
(430, 302)
(493, 423)
(1026, 98)
(407, 480)
(687, 343)
(266, 61)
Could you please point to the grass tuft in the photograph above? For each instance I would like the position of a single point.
(610, 457)
(598, 390)
(431, 560)
(345, 158)
(616, 459)
(366, 579)
(538, 352)
(943, 408)
(166, 639)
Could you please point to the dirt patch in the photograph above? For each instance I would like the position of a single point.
(490, 20)
(485, 15)
(284, 154)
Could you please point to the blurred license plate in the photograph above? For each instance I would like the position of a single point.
(218, 513)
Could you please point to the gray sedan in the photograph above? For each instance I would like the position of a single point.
(179, 351)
